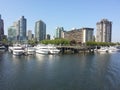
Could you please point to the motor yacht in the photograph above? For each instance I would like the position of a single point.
(52, 49)
(29, 50)
(16, 49)
(41, 49)
(103, 50)
(2, 48)
(113, 49)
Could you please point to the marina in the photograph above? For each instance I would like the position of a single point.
(60, 72)
(52, 49)
(59, 45)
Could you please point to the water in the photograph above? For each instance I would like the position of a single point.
(60, 72)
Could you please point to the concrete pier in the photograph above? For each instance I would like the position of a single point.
(76, 49)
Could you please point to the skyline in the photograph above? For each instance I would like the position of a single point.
(67, 14)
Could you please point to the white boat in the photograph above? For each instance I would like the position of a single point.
(10, 48)
(52, 49)
(16, 49)
(113, 49)
(41, 49)
(46, 49)
(103, 50)
(2, 48)
(29, 51)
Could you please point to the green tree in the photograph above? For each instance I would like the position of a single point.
(32, 42)
(4, 41)
(100, 44)
(56, 42)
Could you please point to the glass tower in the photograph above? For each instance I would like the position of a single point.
(12, 33)
(29, 34)
(22, 28)
(59, 32)
(1, 28)
(40, 30)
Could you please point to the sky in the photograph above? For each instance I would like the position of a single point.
(62, 13)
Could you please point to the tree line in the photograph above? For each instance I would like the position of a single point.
(61, 41)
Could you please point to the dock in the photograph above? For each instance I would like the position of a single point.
(76, 49)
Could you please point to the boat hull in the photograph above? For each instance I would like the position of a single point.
(16, 52)
(42, 51)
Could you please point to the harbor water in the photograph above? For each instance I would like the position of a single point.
(60, 72)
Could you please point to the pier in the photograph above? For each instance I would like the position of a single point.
(76, 49)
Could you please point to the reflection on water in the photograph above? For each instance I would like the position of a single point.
(40, 56)
(60, 72)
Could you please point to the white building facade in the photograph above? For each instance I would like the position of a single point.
(104, 31)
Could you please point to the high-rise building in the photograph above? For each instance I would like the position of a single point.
(1, 28)
(59, 32)
(81, 35)
(104, 31)
(40, 30)
(22, 28)
(87, 34)
(17, 27)
(48, 36)
(12, 33)
(18, 30)
(29, 34)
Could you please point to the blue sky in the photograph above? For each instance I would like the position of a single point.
(66, 13)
